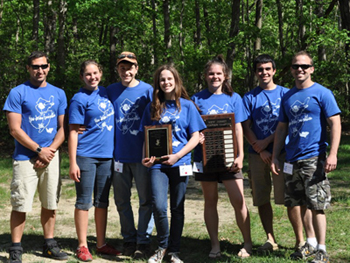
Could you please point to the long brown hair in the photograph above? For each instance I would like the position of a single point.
(219, 59)
(158, 103)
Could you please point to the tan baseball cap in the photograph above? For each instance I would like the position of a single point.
(127, 56)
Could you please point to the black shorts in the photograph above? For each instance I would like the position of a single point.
(218, 177)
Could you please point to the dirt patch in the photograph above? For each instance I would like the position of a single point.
(65, 230)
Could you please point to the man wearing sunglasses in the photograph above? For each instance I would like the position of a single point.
(35, 112)
(262, 105)
(129, 98)
(305, 112)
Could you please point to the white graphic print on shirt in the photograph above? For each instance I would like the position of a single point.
(299, 117)
(41, 121)
(270, 113)
(105, 106)
(129, 116)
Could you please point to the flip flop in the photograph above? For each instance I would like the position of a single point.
(243, 253)
(214, 255)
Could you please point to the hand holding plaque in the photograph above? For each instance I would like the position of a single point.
(158, 141)
(220, 145)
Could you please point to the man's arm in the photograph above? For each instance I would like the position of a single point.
(280, 137)
(258, 145)
(60, 135)
(335, 125)
(14, 121)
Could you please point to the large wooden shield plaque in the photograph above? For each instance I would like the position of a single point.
(220, 145)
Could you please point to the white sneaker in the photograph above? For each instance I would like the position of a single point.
(158, 256)
(175, 257)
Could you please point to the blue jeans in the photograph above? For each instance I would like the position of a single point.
(122, 183)
(161, 180)
(95, 177)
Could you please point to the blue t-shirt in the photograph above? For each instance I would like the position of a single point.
(93, 110)
(210, 103)
(40, 108)
(262, 107)
(129, 105)
(306, 112)
(183, 123)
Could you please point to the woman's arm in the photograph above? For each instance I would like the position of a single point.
(74, 171)
(173, 158)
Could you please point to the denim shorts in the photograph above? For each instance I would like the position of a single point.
(95, 177)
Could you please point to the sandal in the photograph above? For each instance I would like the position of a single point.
(215, 255)
(243, 253)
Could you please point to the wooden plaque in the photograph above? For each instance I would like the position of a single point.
(158, 141)
(220, 145)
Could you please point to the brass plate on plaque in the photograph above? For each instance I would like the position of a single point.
(220, 145)
(158, 141)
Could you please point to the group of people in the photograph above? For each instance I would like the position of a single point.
(106, 147)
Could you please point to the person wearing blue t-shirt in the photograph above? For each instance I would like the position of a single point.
(129, 98)
(216, 99)
(35, 113)
(171, 105)
(91, 157)
(262, 105)
(305, 112)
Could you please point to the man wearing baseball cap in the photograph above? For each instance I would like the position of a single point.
(129, 98)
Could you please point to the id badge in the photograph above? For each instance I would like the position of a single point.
(118, 167)
(197, 167)
(288, 168)
(186, 170)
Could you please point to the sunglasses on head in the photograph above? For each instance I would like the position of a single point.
(126, 56)
(44, 66)
(303, 66)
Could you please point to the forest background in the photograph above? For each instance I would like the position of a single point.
(186, 33)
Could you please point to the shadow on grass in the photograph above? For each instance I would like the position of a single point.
(33, 244)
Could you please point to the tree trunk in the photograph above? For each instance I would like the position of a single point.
(301, 30)
(61, 54)
(258, 24)
(112, 53)
(280, 27)
(167, 37)
(234, 29)
(319, 30)
(344, 7)
(50, 27)
(207, 25)
(154, 27)
(1, 10)
(36, 18)
(181, 38)
(198, 25)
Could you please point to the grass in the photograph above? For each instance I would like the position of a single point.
(195, 241)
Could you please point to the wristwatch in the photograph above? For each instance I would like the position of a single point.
(38, 150)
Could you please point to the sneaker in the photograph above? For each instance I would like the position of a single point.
(83, 254)
(52, 250)
(129, 248)
(142, 251)
(175, 257)
(158, 256)
(269, 246)
(107, 249)
(321, 256)
(15, 254)
(304, 252)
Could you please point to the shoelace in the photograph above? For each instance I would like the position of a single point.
(16, 255)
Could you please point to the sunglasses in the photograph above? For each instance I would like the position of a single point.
(36, 67)
(126, 56)
(303, 66)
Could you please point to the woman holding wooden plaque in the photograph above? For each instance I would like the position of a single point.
(219, 98)
(171, 105)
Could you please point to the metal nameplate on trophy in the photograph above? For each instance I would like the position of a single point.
(158, 141)
(220, 144)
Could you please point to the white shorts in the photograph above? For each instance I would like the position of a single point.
(26, 180)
